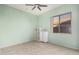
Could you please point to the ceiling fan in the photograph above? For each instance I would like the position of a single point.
(36, 6)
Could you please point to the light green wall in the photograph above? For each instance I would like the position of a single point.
(78, 25)
(67, 40)
(16, 26)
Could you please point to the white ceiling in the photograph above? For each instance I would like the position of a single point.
(35, 11)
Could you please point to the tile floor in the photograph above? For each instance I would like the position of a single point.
(37, 48)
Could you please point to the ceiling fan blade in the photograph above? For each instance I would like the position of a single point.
(43, 5)
(34, 7)
(29, 4)
(39, 8)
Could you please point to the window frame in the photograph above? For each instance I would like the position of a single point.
(59, 25)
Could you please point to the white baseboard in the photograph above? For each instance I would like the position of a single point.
(13, 43)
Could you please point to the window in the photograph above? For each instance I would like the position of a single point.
(56, 24)
(62, 23)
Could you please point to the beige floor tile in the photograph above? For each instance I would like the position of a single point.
(37, 48)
